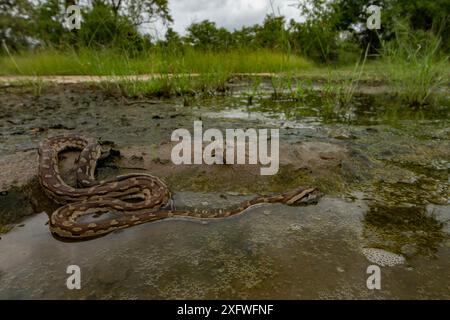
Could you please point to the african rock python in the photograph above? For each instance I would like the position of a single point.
(119, 195)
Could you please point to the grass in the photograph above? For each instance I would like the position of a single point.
(169, 85)
(413, 74)
(111, 62)
(414, 65)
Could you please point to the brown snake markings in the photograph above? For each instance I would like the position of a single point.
(92, 197)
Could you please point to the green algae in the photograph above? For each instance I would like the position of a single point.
(288, 177)
(15, 206)
(407, 230)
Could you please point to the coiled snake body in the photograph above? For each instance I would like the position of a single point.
(118, 195)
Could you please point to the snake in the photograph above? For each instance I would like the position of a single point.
(127, 200)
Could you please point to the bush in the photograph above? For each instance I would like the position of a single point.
(103, 28)
(416, 66)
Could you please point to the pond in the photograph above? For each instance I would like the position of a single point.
(382, 166)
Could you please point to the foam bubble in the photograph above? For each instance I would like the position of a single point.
(382, 257)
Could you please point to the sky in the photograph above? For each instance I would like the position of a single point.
(230, 14)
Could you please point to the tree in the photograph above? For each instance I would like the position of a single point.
(49, 23)
(272, 33)
(245, 37)
(172, 43)
(420, 15)
(433, 16)
(173, 38)
(318, 36)
(16, 25)
(205, 35)
(140, 11)
(116, 23)
(105, 22)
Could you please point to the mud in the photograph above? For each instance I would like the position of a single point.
(383, 168)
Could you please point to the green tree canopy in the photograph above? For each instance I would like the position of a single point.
(205, 35)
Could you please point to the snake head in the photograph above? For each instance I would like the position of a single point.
(107, 149)
(302, 196)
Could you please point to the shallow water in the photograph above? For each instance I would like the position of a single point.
(389, 191)
(269, 252)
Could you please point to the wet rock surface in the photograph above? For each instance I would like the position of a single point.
(385, 180)
(256, 255)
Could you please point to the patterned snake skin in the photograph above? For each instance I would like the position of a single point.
(132, 198)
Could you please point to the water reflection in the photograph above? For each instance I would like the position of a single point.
(409, 230)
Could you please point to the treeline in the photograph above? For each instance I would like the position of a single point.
(332, 31)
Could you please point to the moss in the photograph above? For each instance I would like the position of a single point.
(199, 179)
(420, 192)
(15, 206)
(5, 228)
(391, 228)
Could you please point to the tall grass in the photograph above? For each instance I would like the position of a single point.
(112, 62)
(414, 64)
(342, 90)
(168, 85)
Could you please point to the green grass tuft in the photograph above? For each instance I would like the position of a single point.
(414, 64)
(113, 62)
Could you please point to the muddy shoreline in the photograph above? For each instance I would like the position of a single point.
(384, 175)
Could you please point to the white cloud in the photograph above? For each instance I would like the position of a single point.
(230, 14)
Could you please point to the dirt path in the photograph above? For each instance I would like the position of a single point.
(92, 78)
(365, 86)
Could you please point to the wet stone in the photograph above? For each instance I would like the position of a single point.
(397, 212)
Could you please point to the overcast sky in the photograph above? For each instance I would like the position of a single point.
(231, 14)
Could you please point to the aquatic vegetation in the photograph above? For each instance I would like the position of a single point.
(170, 85)
(254, 91)
(398, 228)
(414, 65)
(15, 205)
